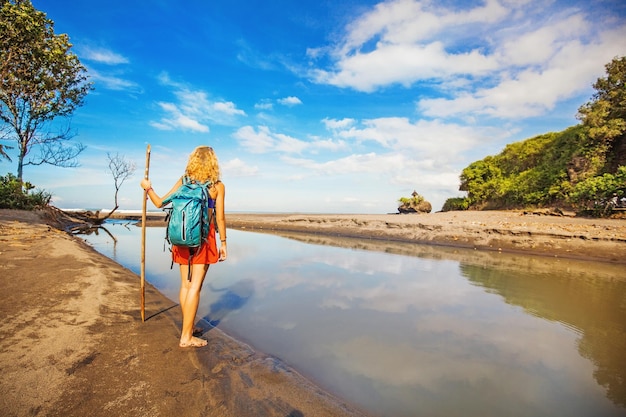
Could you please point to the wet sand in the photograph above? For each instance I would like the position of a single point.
(72, 342)
(506, 231)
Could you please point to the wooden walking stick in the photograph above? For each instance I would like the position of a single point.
(143, 239)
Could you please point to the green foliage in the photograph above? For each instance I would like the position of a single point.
(15, 194)
(579, 167)
(415, 204)
(481, 180)
(40, 80)
(455, 204)
(416, 199)
(527, 173)
(605, 115)
(595, 193)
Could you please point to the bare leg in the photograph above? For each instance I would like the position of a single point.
(183, 295)
(189, 297)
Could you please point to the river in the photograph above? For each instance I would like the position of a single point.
(412, 330)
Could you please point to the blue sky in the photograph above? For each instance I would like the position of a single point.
(322, 106)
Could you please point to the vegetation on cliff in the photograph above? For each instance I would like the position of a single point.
(582, 167)
(414, 204)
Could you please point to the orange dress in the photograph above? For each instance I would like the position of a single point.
(206, 254)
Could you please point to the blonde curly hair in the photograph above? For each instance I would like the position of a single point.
(203, 165)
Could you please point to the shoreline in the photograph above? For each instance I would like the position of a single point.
(521, 232)
(601, 240)
(73, 343)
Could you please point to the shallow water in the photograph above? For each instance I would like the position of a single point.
(412, 330)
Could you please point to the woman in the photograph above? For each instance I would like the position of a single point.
(202, 166)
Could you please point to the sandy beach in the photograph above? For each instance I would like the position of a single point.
(73, 343)
(506, 231)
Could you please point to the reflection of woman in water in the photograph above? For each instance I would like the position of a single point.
(202, 166)
(232, 298)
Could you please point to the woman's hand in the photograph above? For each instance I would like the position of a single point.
(145, 184)
(223, 252)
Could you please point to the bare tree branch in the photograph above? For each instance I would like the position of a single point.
(121, 169)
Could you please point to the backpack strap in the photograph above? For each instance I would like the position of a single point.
(192, 251)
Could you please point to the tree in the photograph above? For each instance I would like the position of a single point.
(3, 153)
(481, 180)
(605, 114)
(40, 80)
(121, 169)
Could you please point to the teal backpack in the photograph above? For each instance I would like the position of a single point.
(190, 216)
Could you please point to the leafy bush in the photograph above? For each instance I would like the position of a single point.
(415, 204)
(15, 194)
(533, 172)
(455, 204)
(594, 193)
(409, 201)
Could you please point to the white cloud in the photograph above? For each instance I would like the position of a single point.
(499, 59)
(105, 77)
(534, 89)
(538, 45)
(290, 101)
(403, 64)
(332, 145)
(288, 144)
(194, 110)
(264, 105)
(228, 107)
(103, 56)
(333, 124)
(401, 42)
(356, 163)
(238, 168)
(428, 139)
(112, 82)
(422, 154)
(260, 141)
(410, 22)
(264, 140)
(176, 119)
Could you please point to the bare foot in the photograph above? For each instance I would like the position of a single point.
(193, 342)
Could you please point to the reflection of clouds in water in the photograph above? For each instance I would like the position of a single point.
(284, 280)
(406, 332)
(333, 302)
(288, 325)
(368, 280)
(475, 353)
(374, 281)
(368, 263)
(400, 293)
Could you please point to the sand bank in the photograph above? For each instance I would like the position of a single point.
(72, 343)
(508, 231)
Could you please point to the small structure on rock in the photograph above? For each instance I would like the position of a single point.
(415, 204)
